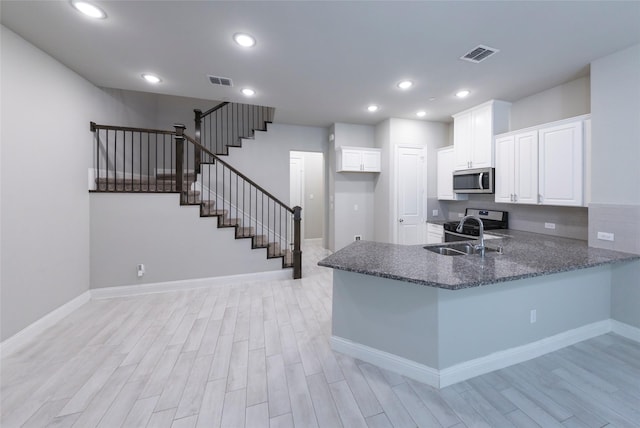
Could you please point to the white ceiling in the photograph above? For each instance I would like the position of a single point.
(322, 62)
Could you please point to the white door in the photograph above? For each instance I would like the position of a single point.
(296, 185)
(410, 195)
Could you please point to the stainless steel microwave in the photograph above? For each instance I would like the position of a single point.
(480, 180)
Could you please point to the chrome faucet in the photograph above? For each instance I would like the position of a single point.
(480, 247)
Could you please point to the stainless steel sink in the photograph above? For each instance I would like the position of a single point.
(455, 249)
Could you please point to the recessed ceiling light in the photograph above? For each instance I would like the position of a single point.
(405, 84)
(372, 108)
(462, 94)
(244, 40)
(248, 92)
(421, 113)
(89, 9)
(151, 78)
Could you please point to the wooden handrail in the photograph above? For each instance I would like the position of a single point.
(94, 127)
(212, 109)
(241, 175)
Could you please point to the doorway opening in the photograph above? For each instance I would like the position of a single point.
(306, 187)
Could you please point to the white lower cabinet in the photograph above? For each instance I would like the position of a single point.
(542, 165)
(435, 233)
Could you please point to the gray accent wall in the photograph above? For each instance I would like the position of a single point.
(615, 196)
(560, 102)
(172, 241)
(352, 188)
(46, 153)
(389, 134)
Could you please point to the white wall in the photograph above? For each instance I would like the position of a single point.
(46, 150)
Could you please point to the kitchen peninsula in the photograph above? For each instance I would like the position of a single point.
(442, 319)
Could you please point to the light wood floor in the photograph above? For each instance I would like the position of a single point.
(257, 355)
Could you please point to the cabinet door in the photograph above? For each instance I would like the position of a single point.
(444, 181)
(462, 135)
(351, 160)
(505, 169)
(371, 161)
(482, 137)
(561, 165)
(526, 168)
(435, 233)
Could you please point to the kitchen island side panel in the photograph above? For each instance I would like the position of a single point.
(477, 322)
(392, 316)
(625, 293)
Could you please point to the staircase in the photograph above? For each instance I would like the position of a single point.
(140, 160)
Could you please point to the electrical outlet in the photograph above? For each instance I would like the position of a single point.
(605, 236)
(434, 213)
(140, 270)
(357, 237)
(549, 225)
(533, 317)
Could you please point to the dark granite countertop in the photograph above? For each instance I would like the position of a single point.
(525, 255)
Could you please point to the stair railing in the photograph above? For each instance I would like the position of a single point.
(149, 160)
(226, 124)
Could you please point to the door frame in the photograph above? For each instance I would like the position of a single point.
(393, 191)
(294, 155)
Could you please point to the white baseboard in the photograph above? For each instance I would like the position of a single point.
(405, 367)
(625, 330)
(186, 284)
(508, 357)
(472, 368)
(24, 336)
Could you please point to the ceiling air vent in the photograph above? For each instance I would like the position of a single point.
(223, 81)
(479, 53)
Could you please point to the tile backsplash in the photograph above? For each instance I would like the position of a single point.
(570, 222)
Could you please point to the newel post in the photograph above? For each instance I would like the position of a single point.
(180, 161)
(198, 154)
(297, 253)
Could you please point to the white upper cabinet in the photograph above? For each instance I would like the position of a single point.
(542, 165)
(561, 160)
(445, 175)
(517, 168)
(358, 159)
(473, 132)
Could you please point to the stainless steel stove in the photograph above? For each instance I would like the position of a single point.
(491, 220)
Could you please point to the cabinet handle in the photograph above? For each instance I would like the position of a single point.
(539, 198)
(401, 220)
